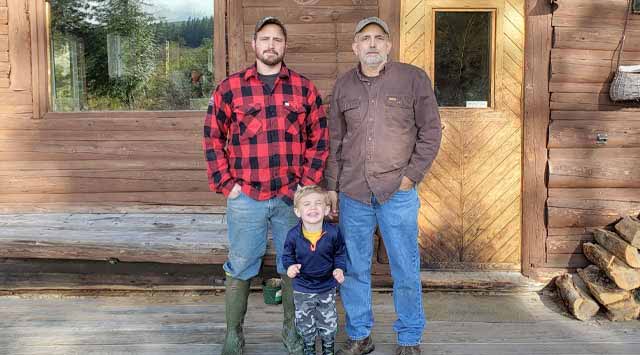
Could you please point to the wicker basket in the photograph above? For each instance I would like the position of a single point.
(626, 84)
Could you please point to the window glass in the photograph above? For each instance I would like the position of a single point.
(462, 60)
(131, 55)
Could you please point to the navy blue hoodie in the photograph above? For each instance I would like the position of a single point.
(316, 271)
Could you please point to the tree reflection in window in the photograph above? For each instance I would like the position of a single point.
(131, 55)
(462, 60)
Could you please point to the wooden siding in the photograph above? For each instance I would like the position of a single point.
(590, 184)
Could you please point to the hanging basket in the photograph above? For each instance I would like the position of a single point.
(626, 84)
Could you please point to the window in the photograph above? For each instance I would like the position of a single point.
(130, 55)
(463, 58)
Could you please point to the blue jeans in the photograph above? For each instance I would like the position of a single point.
(398, 221)
(248, 221)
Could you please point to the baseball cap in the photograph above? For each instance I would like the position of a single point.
(270, 19)
(369, 20)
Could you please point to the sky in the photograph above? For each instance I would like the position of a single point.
(180, 10)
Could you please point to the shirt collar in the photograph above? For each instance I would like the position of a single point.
(362, 77)
(253, 71)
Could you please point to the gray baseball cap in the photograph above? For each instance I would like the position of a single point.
(267, 20)
(369, 20)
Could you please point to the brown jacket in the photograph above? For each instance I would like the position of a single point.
(381, 129)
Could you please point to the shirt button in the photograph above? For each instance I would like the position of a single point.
(369, 138)
(373, 101)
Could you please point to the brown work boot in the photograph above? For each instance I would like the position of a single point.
(408, 350)
(357, 347)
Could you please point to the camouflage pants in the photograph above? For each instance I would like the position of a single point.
(316, 315)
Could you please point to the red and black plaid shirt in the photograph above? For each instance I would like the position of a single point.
(266, 141)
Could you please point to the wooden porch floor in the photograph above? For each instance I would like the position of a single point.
(188, 323)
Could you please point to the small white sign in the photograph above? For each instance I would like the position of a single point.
(477, 104)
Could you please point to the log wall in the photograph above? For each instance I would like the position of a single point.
(591, 183)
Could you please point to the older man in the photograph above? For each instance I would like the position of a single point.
(265, 134)
(384, 135)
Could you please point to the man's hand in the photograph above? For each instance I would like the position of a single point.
(338, 274)
(406, 184)
(293, 270)
(235, 191)
(333, 198)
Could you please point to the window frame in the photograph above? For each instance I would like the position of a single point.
(496, 8)
(41, 65)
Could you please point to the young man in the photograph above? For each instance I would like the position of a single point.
(315, 258)
(265, 134)
(385, 133)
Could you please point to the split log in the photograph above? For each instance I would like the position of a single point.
(578, 301)
(628, 309)
(624, 276)
(629, 229)
(602, 288)
(618, 247)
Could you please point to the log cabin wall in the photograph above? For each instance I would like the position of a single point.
(87, 161)
(592, 183)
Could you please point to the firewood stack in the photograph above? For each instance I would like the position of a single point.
(614, 278)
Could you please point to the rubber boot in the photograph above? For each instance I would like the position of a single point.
(328, 347)
(235, 308)
(290, 337)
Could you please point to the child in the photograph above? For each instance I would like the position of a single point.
(315, 258)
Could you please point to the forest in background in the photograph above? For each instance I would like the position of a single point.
(115, 55)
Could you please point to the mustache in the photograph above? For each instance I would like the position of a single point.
(270, 51)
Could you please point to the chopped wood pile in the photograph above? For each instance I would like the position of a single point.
(612, 281)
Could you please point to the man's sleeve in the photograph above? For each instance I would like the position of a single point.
(216, 125)
(317, 142)
(429, 130)
(317, 139)
(337, 128)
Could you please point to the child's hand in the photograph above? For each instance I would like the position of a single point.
(338, 274)
(293, 270)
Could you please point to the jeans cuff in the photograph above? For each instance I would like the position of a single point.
(408, 344)
(359, 338)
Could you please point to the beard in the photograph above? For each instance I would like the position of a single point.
(272, 59)
(375, 59)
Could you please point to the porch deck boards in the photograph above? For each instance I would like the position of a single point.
(187, 323)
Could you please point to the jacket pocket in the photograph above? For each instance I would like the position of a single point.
(352, 114)
(295, 116)
(247, 124)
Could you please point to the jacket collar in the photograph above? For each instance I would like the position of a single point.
(252, 71)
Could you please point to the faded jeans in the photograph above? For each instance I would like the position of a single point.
(398, 221)
(248, 221)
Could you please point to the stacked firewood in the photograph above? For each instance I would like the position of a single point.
(613, 281)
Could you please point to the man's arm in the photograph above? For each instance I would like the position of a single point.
(429, 130)
(216, 126)
(317, 142)
(337, 129)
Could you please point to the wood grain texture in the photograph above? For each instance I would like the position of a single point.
(19, 45)
(182, 239)
(470, 214)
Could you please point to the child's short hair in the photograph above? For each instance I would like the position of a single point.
(308, 190)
